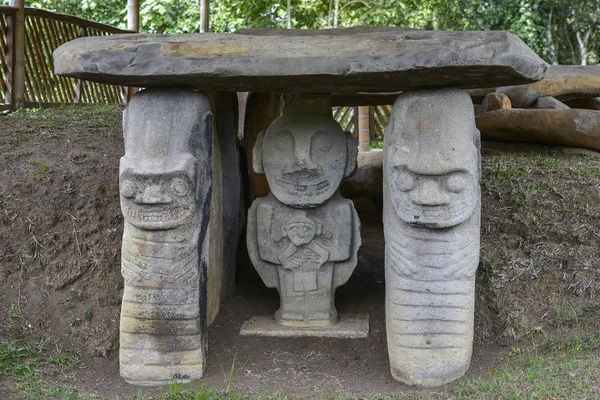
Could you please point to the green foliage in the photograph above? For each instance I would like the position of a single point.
(558, 30)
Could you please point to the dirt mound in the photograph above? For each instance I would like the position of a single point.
(61, 222)
(60, 236)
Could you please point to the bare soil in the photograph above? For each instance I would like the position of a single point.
(60, 235)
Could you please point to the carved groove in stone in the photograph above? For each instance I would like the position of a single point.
(165, 185)
(431, 222)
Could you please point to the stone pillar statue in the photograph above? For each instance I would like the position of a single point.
(303, 238)
(431, 219)
(165, 185)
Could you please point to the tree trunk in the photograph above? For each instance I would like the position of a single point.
(133, 15)
(329, 15)
(336, 13)
(583, 44)
(553, 57)
(289, 14)
(204, 16)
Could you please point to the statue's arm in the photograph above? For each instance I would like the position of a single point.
(258, 239)
(341, 228)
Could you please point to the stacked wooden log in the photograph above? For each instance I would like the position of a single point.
(563, 109)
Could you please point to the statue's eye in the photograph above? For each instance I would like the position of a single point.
(128, 188)
(403, 179)
(180, 187)
(322, 141)
(456, 182)
(284, 141)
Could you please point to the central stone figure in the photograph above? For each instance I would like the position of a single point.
(303, 238)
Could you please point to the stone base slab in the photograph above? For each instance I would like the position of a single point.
(349, 326)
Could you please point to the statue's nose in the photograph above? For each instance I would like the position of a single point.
(429, 193)
(152, 194)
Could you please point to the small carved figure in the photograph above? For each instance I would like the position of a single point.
(304, 236)
(165, 185)
(431, 222)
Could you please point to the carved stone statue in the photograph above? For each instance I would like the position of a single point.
(431, 221)
(303, 238)
(165, 186)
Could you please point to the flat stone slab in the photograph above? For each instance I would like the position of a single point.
(563, 82)
(342, 61)
(349, 326)
(576, 128)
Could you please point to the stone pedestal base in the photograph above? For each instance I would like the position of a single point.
(349, 326)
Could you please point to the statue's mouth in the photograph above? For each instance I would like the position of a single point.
(294, 188)
(162, 214)
(435, 216)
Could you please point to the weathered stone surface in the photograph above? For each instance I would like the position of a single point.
(165, 185)
(341, 61)
(226, 108)
(563, 82)
(495, 101)
(303, 238)
(431, 223)
(215, 236)
(550, 103)
(577, 128)
(349, 326)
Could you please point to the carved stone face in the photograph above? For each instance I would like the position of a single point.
(432, 162)
(442, 199)
(301, 231)
(164, 173)
(304, 158)
(157, 201)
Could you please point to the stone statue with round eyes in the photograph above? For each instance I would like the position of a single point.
(431, 224)
(165, 185)
(303, 238)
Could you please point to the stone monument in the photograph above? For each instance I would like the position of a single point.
(165, 186)
(303, 238)
(431, 222)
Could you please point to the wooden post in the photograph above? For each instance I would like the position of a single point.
(17, 45)
(364, 135)
(204, 16)
(133, 24)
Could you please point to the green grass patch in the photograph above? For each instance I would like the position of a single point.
(29, 365)
(39, 170)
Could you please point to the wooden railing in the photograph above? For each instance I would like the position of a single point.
(44, 31)
(379, 118)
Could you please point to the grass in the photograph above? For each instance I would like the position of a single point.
(29, 365)
(38, 170)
